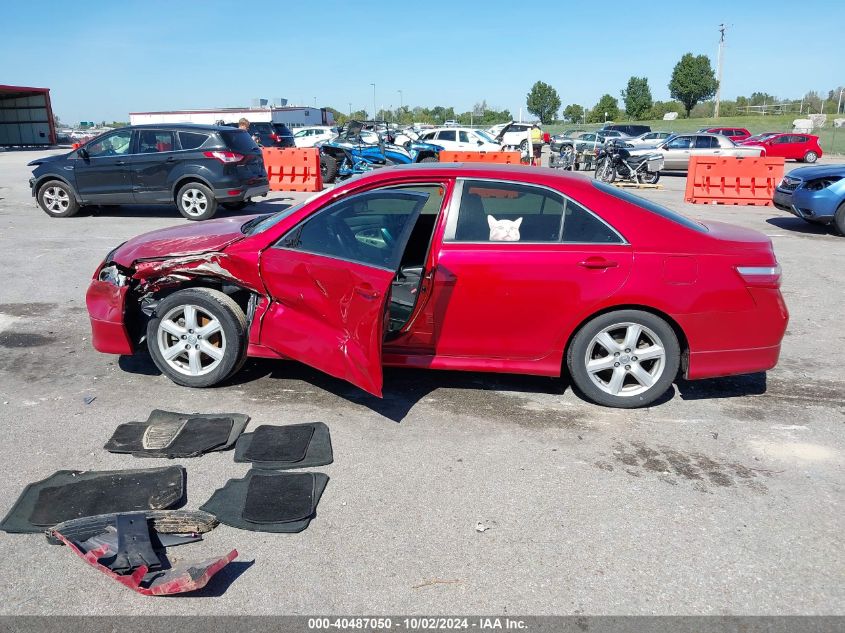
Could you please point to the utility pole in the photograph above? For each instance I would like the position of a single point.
(374, 101)
(722, 28)
(839, 105)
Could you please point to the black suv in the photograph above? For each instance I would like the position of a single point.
(195, 166)
(628, 128)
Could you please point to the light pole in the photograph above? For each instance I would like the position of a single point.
(605, 117)
(839, 105)
(350, 109)
(401, 102)
(374, 100)
(315, 102)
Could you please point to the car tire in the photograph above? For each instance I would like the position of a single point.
(839, 219)
(57, 199)
(182, 352)
(811, 157)
(328, 168)
(196, 201)
(234, 206)
(523, 146)
(429, 159)
(601, 342)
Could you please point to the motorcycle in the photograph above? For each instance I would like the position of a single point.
(616, 162)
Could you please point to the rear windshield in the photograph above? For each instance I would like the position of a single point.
(263, 128)
(282, 129)
(648, 205)
(239, 141)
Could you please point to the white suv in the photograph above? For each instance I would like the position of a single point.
(514, 134)
(461, 139)
(309, 136)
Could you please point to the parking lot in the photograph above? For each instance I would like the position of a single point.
(458, 492)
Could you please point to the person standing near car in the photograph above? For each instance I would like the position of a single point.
(536, 144)
(243, 124)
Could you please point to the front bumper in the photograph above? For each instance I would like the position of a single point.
(814, 206)
(106, 308)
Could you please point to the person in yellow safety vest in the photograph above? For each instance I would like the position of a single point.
(536, 143)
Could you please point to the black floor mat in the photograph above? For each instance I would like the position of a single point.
(284, 447)
(71, 494)
(170, 434)
(265, 501)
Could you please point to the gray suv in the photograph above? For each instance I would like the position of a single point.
(196, 167)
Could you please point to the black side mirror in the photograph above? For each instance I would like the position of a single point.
(479, 142)
(83, 153)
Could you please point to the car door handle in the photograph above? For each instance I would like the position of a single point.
(597, 263)
(367, 292)
(120, 162)
(170, 160)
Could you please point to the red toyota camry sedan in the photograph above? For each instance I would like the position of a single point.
(452, 266)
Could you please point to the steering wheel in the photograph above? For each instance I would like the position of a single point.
(344, 236)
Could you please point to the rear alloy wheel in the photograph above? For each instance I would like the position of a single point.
(811, 157)
(651, 177)
(56, 199)
(196, 202)
(198, 337)
(624, 359)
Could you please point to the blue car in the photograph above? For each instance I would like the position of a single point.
(349, 154)
(815, 194)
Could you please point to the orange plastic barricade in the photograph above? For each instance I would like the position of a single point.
(508, 158)
(293, 169)
(716, 180)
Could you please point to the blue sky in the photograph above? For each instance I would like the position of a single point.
(103, 59)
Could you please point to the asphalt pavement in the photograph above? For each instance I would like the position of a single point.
(457, 492)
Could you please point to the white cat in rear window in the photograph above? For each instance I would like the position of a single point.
(503, 230)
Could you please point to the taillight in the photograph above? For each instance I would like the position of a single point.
(224, 156)
(274, 136)
(760, 276)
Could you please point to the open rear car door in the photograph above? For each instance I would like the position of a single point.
(330, 280)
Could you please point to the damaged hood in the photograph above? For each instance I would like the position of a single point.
(187, 239)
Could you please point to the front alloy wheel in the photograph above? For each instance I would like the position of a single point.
(198, 337)
(624, 359)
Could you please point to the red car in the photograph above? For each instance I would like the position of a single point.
(736, 134)
(456, 266)
(800, 147)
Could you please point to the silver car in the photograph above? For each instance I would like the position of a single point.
(678, 149)
(649, 138)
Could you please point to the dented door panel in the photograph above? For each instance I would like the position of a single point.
(327, 313)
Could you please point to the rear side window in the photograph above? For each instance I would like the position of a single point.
(192, 140)
(706, 142)
(447, 136)
(649, 206)
(154, 141)
(239, 141)
(581, 226)
(504, 211)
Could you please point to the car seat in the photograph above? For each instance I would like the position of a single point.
(472, 220)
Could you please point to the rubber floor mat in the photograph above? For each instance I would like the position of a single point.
(285, 447)
(266, 501)
(171, 434)
(71, 494)
(128, 548)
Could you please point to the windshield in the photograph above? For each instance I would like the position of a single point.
(484, 136)
(760, 137)
(648, 205)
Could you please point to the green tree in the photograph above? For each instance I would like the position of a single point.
(607, 109)
(543, 102)
(692, 80)
(637, 98)
(573, 112)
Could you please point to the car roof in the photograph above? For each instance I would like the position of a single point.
(188, 127)
(518, 173)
